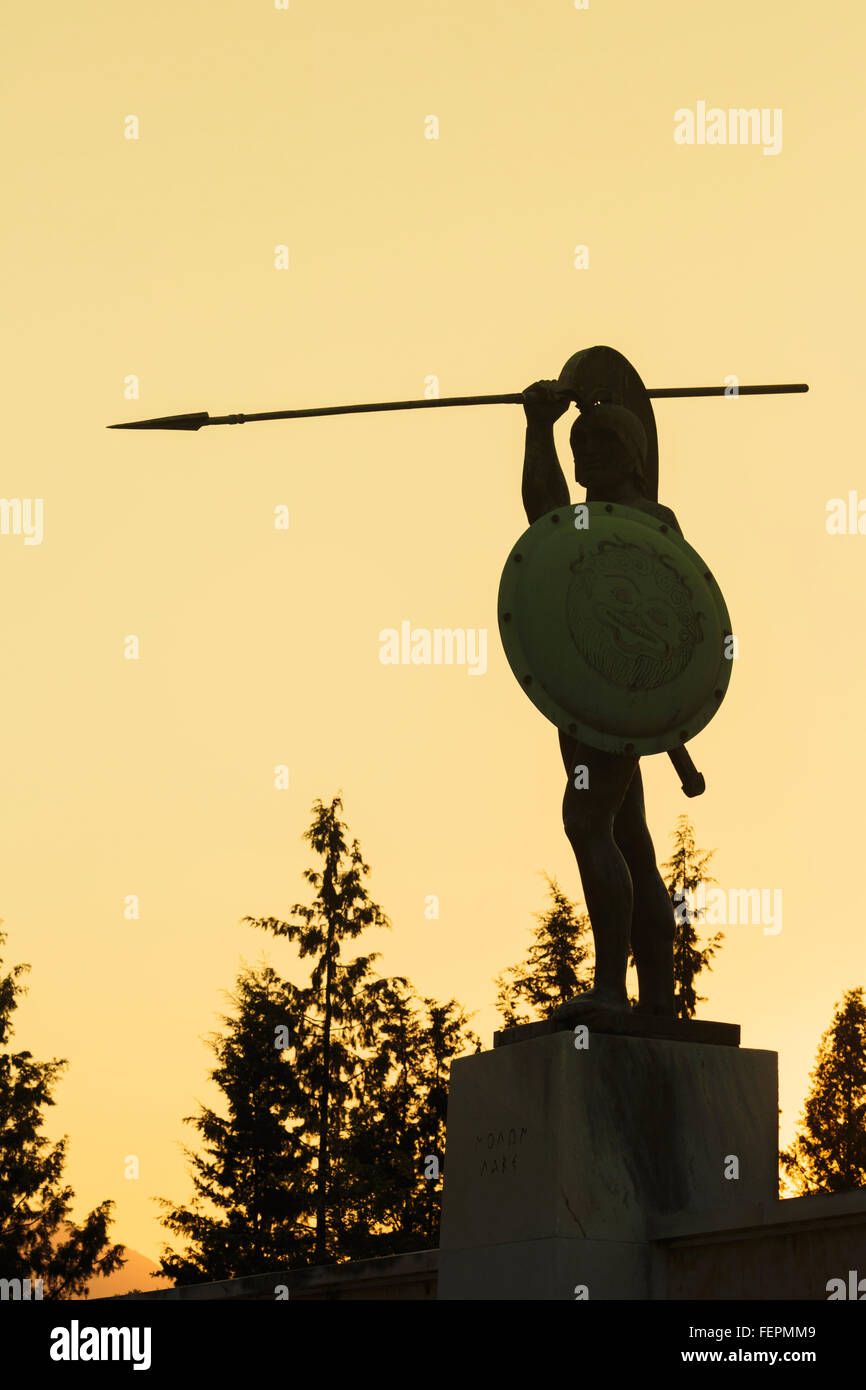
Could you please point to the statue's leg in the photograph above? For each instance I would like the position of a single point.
(588, 816)
(652, 926)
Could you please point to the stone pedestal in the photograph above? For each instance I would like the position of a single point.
(559, 1159)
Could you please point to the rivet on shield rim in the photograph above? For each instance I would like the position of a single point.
(555, 518)
(527, 680)
(506, 618)
(608, 507)
(663, 530)
(518, 558)
(684, 733)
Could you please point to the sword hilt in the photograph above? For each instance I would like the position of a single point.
(692, 781)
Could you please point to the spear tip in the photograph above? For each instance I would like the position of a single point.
(166, 422)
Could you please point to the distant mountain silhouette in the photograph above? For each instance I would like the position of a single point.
(133, 1277)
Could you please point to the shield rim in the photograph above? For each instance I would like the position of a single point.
(563, 719)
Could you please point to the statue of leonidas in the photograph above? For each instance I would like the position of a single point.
(618, 632)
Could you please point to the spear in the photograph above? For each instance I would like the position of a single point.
(692, 780)
(198, 419)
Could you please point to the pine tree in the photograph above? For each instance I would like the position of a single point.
(445, 1034)
(257, 1166)
(392, 1151)
(333, 1150)
(340, 911)
(829, 1151)
(686, 871)
(373, 1172)
(557, 966)
(37, 1239)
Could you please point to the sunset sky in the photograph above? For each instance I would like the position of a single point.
(408, 258)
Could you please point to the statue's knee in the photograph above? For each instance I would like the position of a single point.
(575, 829)
(577, 820)
(636, 846)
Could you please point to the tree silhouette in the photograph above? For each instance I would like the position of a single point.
(256, 1168)
(37, 1239)
(829, 1151)
(557, 964)
(324, 1153)
(340, 911)
(685, 871)
(392, 1151)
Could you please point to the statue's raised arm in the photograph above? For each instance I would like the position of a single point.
(544, 485)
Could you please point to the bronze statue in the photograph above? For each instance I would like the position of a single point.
(637, 624)
(603, 812)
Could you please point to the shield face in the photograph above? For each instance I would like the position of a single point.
(615, 628)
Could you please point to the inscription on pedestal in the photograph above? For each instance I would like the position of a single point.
(500, 1148)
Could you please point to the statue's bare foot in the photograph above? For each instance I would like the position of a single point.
(593, 1003)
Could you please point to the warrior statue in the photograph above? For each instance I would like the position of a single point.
(628, 904)
(618, 640)
(617, 632)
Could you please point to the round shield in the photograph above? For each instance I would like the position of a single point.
(615, 628)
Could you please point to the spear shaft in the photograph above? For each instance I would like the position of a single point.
(200, 418)
(692, 781)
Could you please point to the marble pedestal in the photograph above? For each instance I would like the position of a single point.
(561, 1158)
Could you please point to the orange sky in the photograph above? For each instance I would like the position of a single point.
(407, 257)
